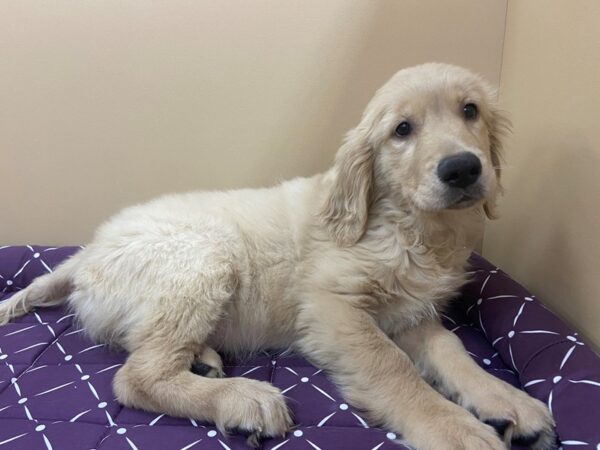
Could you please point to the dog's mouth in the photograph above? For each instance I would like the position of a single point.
(465, 199)
(453, 199)
(464, 202)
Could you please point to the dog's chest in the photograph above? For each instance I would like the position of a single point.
(415, 287)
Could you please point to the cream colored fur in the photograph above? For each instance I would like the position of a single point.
(349, 267)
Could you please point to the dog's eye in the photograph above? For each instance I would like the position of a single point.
(470, 111)
(403, 130)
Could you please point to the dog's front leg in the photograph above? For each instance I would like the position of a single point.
(375, 375)
(442, 359)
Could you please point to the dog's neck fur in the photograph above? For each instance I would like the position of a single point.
(449, 235)
(420, 260)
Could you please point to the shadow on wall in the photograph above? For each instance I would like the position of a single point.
(375, 33)
(343, 82)
(546, 255)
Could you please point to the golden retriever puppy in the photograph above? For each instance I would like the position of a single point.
(350, 267)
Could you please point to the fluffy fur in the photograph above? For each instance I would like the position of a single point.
(349, 267)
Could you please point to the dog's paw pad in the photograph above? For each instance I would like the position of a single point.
(541, 440)
(254, 440)
(526, 440)
(500, 425)
(205, 370)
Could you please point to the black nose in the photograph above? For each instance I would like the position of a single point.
(459, 170)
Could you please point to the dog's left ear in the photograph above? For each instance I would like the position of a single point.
(346, 208)
(498, 126)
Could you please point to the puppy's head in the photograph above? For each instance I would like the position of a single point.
(429, 140)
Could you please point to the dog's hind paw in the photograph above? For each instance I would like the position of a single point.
(208, 364)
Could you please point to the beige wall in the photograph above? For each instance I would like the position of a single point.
(548, 236)
(106, 103)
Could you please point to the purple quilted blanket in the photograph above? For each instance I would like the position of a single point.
(55, 385)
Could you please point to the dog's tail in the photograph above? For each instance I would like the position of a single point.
(48, 290)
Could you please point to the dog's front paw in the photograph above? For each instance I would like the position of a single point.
(515, 415)
(454, 428)
(254, 407)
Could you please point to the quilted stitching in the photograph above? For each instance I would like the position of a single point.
(55, 385)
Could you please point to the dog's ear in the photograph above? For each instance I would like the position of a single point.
(498, 127)
(346, 208)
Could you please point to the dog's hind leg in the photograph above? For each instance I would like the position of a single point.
(157, 377)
